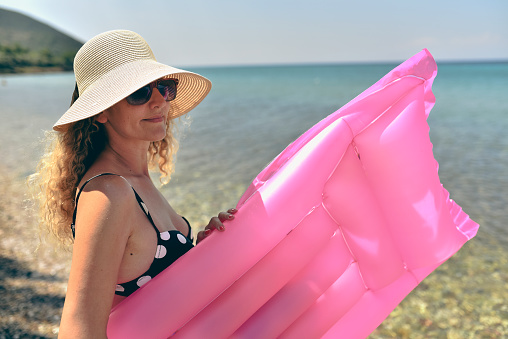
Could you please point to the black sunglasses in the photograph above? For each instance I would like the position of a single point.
(167, 89)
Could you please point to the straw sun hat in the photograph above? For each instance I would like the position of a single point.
(114, 64)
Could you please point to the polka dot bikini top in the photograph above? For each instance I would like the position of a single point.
(171, 245)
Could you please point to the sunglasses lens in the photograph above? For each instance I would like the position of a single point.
(140, 97)
(167, 89)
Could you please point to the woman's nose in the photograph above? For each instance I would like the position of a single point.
(156, 100)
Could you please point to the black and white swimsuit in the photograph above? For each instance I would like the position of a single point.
(171, 245)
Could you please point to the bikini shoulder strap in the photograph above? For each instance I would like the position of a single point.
(138, 199)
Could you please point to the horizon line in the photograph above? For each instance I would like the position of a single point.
(342, 63)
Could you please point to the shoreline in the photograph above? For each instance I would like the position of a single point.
(33, 276)
(36, 70)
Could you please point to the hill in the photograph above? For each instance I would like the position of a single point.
(28, 45)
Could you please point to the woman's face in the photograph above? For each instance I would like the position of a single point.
(146, 122)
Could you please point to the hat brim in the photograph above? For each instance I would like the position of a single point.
(119, 83)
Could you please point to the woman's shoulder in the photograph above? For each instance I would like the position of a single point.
(107, 190)
(105, 201)
(109, 184)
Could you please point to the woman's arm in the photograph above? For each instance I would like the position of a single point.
(102, 230)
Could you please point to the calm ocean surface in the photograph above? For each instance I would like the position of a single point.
(253, 113)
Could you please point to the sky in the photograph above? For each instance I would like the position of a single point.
(245, 32)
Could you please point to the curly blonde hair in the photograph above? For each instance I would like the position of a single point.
(69, 155)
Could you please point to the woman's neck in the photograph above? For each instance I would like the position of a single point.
(128, 159)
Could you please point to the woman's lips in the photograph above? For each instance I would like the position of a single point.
(155, 119)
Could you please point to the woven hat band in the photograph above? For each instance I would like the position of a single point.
(101, 55)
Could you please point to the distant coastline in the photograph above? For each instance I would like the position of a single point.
(17, 59)
(35, 69)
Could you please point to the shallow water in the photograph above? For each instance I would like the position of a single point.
(253, 113)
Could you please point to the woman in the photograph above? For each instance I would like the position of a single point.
(97, 191)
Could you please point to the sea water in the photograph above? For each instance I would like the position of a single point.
(253, 113)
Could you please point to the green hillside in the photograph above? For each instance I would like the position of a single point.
(28, 45)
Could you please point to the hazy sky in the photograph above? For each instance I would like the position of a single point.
(225, 32)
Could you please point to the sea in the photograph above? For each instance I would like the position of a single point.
(253, 113)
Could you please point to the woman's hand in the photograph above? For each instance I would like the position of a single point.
(216, 223)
